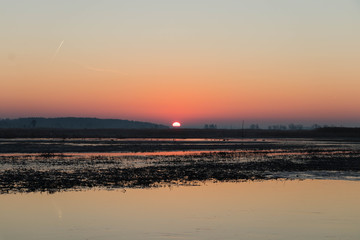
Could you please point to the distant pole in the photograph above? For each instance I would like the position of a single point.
(243, 128)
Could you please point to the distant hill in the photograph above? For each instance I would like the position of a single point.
(77, 123)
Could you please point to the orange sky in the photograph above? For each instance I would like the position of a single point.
(195, 61)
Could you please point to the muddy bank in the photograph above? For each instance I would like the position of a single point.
(51, 172)
(32, 180)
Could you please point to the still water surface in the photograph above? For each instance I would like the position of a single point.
(310, 209)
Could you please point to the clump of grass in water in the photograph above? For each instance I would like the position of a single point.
(50, 155)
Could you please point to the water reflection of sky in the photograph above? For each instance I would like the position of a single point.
(317, 209)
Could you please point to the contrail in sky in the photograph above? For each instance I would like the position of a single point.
(58, 49)
(96, 69)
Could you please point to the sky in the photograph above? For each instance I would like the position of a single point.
(193, 61)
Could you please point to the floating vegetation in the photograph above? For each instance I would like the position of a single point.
(58, 171)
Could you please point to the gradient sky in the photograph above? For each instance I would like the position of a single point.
(195, 61)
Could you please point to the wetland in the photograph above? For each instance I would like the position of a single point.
(55, 164)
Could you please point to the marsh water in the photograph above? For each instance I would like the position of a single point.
(179, 189)
(53, 164)
(272, 209)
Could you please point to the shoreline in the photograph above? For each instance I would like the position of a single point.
(54, 169)
(319, 133)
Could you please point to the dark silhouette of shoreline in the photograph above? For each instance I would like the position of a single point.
(327, 132)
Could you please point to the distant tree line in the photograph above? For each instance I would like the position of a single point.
(293, 126)
(75, 123)
(210, 126)
(290, 126)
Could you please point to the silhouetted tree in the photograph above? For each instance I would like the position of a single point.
(210, 126)
(33, 123)
(295, 126)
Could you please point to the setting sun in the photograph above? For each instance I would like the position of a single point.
(176, 124)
